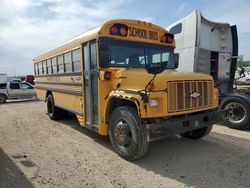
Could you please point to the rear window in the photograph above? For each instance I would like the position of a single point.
(176, 29)
(3, 86)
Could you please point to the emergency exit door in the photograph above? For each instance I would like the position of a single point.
(90, 85)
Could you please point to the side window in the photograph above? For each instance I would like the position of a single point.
(76, 60)
(176, 29)
(44, 67)
(54, 65)
(40, 68)
(93, 55)
(68, 62)
(60, 66)
(26, 86)
(14, 86)
(49, 66)
(35, 69)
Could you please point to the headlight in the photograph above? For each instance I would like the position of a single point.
(153, 103)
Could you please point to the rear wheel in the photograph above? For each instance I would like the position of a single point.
(199, 133)
(54, 112)
(2, 99)
(127, 134)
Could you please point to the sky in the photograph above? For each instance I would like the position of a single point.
(31, 27)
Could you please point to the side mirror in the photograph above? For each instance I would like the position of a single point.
(155, 68)
(104, 52)
(176, 60)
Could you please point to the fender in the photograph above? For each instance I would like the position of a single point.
(138, 98)
(245, 96)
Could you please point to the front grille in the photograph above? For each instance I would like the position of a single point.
(187, 95)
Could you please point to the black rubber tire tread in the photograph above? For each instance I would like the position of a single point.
(4, 98)
(245, 124)
(57, 112)
(199, 133)
(139, 146)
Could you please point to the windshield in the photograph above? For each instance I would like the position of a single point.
(136, 55)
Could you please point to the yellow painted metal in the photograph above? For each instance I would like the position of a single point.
(122, 79)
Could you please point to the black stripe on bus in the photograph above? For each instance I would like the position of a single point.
(70, 110)
(79, 93)
(60, 74)
(61, 83)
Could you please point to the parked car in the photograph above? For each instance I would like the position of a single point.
(16, 90)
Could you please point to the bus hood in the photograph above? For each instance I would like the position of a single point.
(137, 78)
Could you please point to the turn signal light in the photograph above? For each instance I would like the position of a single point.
(107, 75)
(150, 86)
(119, 30)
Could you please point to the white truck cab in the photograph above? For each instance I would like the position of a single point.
(212, 48)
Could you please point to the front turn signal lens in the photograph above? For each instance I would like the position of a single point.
(107, 75)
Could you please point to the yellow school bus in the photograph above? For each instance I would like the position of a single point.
(119, 79)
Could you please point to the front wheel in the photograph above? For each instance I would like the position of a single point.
(127, 134)
(2, 99)
(238, 112)
(198, 133)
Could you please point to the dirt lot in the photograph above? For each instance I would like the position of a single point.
(35, 151)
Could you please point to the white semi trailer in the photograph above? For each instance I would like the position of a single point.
(212, 48)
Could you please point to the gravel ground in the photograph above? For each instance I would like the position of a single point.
(38, 152)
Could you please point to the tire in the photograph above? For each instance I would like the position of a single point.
(54, 112)
(2, 99)
(127, 134)
(197, 134)
(239, 112)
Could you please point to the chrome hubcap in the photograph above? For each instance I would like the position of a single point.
(237, 112)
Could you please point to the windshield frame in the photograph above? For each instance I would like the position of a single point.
(141, 46)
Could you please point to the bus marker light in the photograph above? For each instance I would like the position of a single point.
(163, 39)
(123, 31)
(167, 38)
(114, 30)
(119, 30)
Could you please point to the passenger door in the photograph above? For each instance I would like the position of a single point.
(28, 90)
(14, 90)
(90, 85)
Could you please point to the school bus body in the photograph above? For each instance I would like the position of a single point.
(93, 97)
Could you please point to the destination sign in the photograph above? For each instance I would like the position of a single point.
(142, 33)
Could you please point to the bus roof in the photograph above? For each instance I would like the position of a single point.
(102, 30)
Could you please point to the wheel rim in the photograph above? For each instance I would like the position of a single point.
(237, 112)
(1, 99)
(123, 134)
(50, 107)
